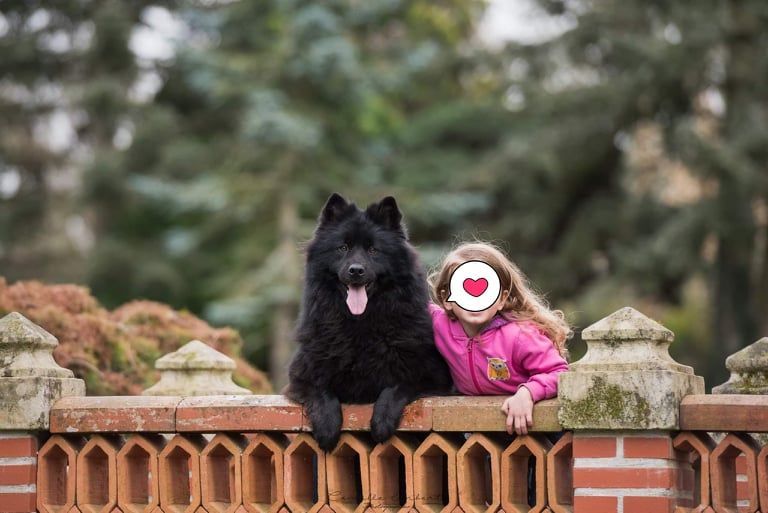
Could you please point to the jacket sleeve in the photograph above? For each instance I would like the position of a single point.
(539, 358)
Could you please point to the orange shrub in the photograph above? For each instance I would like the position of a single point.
(115, 352)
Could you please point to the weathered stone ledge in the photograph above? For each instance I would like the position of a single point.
(208, 414)
(276, 413)
(724, 412)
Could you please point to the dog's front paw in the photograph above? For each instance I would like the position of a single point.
(327, 433)
(326, 441)
(382, 428)
(325, 416)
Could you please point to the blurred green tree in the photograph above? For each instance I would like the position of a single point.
(621, 161)
(66, 72)
(638, 157)
(267, 109)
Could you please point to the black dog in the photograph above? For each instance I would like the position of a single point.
(364, 331)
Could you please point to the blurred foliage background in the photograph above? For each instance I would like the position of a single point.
(619, 158)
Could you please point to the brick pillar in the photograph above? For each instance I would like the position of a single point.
(18, 467)
(30, 382)
(622, 402)
(631, 472)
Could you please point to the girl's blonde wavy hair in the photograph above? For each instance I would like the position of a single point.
(522, 303)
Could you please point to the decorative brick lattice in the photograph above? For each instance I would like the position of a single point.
(288, 473)
(428, 472)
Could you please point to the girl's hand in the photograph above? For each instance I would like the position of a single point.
(519, 410)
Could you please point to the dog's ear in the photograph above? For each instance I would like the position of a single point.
(385, 213)
(333, 208)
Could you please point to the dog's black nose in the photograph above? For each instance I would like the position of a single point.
(356, 270)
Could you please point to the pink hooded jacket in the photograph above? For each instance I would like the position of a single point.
(502, 357)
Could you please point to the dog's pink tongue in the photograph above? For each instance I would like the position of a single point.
(357, 299)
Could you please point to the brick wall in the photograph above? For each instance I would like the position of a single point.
(629, 472)
(99, 458)
(18, 471)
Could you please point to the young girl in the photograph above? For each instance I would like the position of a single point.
(516, 346)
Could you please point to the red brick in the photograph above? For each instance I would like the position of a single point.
(624, 478)
(17, 502)
(560, 475)
(221, 485)
(383, 465)
(723, 412)
(300, 477)
(263, 473)
(208, 414)
(648, 504)
(741, 464)
(514, 473)
(762, 476)
(583, 504)
(743, 490)
(429, 494)
(340, 474)
(483, 413)
(180, 458)
(57, 458)
(97, 474)
(723, 473)
(594, 447)
(686, 479)
(17, 474)
(702, 444)
(18, 447)
(648, 447)
(471, 467)
(417, 416)
(137, 473)
(123, 414)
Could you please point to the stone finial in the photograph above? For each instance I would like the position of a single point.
(749, 370)
(627, 379)
(195, 369)
(30, 379)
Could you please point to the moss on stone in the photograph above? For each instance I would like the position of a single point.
(750, 383)
(605, 402)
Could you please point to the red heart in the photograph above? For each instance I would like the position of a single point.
(475, 287)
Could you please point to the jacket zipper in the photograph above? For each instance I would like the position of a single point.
(471, 362)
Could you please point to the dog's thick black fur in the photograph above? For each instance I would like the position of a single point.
(364, 331)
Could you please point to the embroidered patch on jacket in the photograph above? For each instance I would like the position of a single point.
(497, 369)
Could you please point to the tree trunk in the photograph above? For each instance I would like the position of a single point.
(283, 340)
(734, 294)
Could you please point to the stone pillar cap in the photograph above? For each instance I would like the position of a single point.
(626, 379)
(749, 370)
(30, 379)
(754, 357)
(195, 369)
(628, 340)
(26, 349)
(627, 324)
(195, 355)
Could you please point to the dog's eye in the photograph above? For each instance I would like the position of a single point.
(372, 250)
(343, 248)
